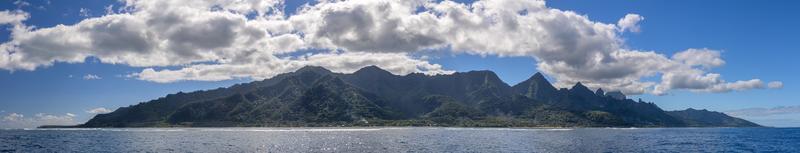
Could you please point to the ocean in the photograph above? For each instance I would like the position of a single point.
(401, 139)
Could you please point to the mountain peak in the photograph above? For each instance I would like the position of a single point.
(579, 85)
(372, 70)
(579, 88)
(316, 69)
(600, 92)
(374, 67)
(538, 75)
(536, 78)
(536, 87)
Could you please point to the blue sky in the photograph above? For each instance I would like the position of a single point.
(755, 39)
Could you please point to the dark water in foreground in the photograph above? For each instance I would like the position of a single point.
(402, 140)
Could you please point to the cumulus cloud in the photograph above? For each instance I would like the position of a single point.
(99, 110)
(15, 120)
(630, 23)
(706, 58)
(13, 117)
(215, 40)
(398, 63)
(91, 77)
(188, 32)
(775, 85)
(12, 17)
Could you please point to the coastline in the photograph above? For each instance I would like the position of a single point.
(515, 127)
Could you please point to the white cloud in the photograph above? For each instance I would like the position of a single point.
(99, 110)
(91, 77)
(737, 86)
(775, 85)
(109, 9)
(12, 17)
(13, 117)
(687, 72)
(227, 39)
(21, 3)
(397, 63)
(15, 120)
(706, 58)
(630, 23)
(148, 36)
(567, 45)
(84, 12)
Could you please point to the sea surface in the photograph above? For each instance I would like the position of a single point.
(391, 139)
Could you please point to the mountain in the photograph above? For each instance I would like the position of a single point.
(536, 87)
(693, 117)
(371, 96)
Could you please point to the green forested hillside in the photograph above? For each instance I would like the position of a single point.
(314, 96)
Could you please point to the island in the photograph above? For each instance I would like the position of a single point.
(371, 96)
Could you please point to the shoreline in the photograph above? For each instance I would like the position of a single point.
(367, 127)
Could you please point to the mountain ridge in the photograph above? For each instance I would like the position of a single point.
(371, 96)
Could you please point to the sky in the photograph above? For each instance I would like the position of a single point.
(62, 62)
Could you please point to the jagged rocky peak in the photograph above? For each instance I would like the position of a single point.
(536, 87)
(581, 90)
(600, 92)
(538, 76)
(539, 79)
(315, 69)
(616, 95)
(579, 87)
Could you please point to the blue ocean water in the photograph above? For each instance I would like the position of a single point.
(402, 140)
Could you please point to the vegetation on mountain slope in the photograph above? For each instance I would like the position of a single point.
(314, 96)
